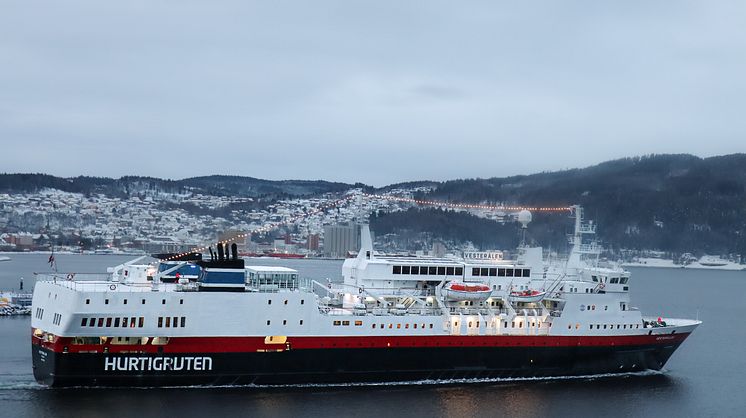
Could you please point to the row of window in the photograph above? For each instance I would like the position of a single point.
(39, 313)
(429, 270)
(610, 326)
(612, 280)
(398, 326)
(57, 319)
(142, 301)
(500, 272)
(346, 323)
(125, 322)
(171, 324)
(120, 340)
(285, 322)
(475, 324)
(302, 301)
(618, 326)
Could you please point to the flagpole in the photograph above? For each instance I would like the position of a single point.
(52, 262)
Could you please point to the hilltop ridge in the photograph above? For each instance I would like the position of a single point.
(668, 202)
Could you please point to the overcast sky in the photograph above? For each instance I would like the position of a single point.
(376, 92)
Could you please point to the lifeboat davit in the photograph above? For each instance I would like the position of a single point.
(527, 296)
(457, 291)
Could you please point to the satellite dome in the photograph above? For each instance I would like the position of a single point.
(524, 217)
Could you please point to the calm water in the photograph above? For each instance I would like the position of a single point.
(705, 376)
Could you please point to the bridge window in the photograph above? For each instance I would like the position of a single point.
(397, 269)
(500, 272)
(459, 271)
(432, 271)
(493, 272)
(415, 270)
(441, 271)
(623, 280)
(423, 270)
(335, 323)
(518, 272)
(450, 271)
(526, 272)
(405, 269)
(475, 271)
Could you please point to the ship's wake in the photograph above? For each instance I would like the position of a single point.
(426, 382)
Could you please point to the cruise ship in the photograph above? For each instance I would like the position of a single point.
(212, 320)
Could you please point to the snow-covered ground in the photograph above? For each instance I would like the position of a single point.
(661, 262)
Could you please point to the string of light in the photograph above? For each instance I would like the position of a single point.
(346, 199)
(469, 205)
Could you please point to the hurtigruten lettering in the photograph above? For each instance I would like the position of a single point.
(143, 364)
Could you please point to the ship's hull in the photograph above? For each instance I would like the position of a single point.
(347, 365)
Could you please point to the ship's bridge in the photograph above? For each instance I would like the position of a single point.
(271, 278)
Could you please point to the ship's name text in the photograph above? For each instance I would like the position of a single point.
(143, 364)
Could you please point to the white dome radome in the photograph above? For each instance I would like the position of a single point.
(524, 217)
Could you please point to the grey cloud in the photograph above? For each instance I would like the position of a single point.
(376, 92)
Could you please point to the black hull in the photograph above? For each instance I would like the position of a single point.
(339, 366)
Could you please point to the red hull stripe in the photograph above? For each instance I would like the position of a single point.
(254, 344)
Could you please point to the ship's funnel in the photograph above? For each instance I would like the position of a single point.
(234, 250)
(221, 254)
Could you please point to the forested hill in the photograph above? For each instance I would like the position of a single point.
(677, 203)
(667, 202)
(213, 185)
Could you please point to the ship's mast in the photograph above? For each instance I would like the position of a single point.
(580, 249)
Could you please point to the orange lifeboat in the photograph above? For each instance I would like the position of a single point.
(458, 291)
(527, 296)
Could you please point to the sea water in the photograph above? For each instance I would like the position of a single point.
(705, 377)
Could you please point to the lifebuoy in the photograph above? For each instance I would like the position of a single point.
(113, 287)
(70, 276)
